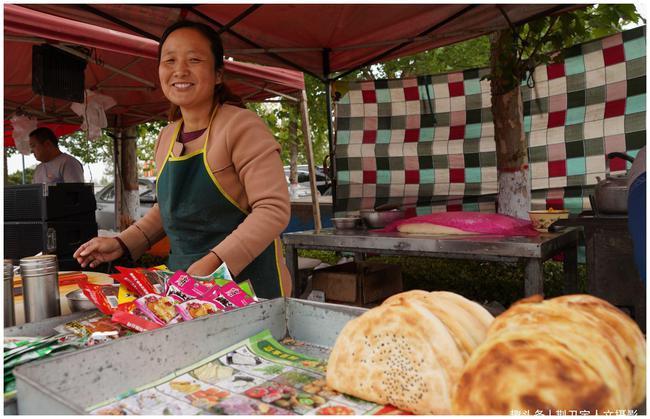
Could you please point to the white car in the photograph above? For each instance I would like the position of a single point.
(105, 213)
(323, 184)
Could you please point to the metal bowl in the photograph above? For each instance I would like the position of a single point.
(380, 219)
(77, 301)
(345, 223)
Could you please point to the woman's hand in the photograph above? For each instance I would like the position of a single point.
(98, 250)
(204, 266)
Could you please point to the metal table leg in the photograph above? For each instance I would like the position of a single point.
(571, 270)
(291, 256)
(534, 278)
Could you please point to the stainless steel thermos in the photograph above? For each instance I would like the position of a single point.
(40, 287)
(10, 317)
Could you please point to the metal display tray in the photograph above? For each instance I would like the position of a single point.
(71, 382)
(40, 328)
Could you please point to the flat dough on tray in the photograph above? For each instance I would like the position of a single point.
(428, 228)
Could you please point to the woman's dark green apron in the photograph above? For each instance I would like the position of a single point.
(197, 215)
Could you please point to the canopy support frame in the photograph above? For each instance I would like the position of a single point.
(250, 42)
(107, 66)
(117, 21)
(438, 25)
(237, 19)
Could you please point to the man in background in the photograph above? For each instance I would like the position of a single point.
(56, 166)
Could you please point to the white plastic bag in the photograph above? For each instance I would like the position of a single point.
(22, 126)
(93, 111)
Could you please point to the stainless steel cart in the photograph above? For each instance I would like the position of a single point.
(41, 328)
(71, 382)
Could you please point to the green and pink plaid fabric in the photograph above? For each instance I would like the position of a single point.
(427, 143)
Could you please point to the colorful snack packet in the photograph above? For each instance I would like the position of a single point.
(105, 303)
(125, 296)
(247, 287)
(214, 295)
(78, 326)
(220, 276)
(182, 287)
(236, 295)
(134, 280)
(12, 342)
(157, 308)
(222, 272)
(41, 352)
(197, 308)
(133, 321)
(157, 278)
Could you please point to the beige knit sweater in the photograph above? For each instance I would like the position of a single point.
(245, 159)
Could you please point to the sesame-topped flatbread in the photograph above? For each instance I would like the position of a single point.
(409, 352)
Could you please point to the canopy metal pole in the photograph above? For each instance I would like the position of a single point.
(306, 133)
(109, 67)
(330, 128)
(23, 156)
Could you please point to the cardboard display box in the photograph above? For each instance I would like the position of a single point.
(358, 283)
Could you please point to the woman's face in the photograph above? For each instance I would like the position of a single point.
(186, 70)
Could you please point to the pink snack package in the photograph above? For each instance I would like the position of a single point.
(182, 287)
(214, 295)
(197, 308)
(236, 295)
(158, 308)
(475, 222)
(232, 293)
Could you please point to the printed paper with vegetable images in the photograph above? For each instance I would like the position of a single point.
(256, 376)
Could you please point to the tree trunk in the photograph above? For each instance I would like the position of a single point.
(513, 196)
(130, 202)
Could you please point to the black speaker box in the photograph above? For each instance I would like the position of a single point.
(46, 202)
(27, 238)
(57, 73)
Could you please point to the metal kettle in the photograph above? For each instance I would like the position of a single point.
(610, 194)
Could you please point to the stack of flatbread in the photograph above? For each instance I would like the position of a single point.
(408, 352)
(575, 352)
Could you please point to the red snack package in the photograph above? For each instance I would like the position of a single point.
(105, 304)
(133, 321)
(182, 287)
(134, 280)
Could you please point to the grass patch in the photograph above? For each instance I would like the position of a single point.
(479, 281)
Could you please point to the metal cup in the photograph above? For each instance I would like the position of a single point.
(40, 287)
(10, 317)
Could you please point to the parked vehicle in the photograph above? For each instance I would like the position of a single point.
(105, 213)
(323, 183)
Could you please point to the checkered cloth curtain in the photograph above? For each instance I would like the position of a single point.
(427, 143)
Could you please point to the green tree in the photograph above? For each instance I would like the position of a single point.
(16, 178)
(101, 149)
(515, 53)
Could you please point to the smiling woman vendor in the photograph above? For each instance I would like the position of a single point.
(222, 194)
